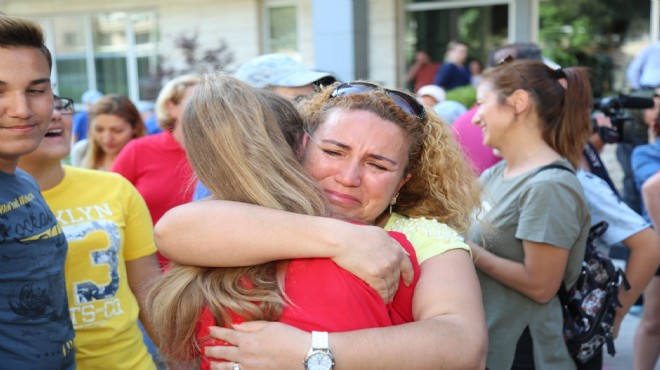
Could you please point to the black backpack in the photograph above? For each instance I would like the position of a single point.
(589, 306)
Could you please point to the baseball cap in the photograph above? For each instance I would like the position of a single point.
(91, 96)
(277, 70)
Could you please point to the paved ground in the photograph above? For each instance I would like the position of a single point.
(624, 346)
(624, 343)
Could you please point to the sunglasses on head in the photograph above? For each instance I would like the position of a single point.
(407, 102)
(507, 61)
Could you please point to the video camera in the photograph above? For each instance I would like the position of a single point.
(614, 108)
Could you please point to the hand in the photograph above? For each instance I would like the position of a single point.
(618, 318)
(260, 345)
(602, 120)
(369, 253)
(477, 253)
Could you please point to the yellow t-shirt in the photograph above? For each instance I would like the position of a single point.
(428, 236)
(106, 223)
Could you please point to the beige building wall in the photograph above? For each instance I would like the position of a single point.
(384, 41)
(235, 21)
(239, 23)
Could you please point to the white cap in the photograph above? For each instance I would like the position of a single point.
(436, 92)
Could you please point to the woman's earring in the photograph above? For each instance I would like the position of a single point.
(393, 202)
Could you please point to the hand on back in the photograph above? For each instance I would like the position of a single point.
(372, 255)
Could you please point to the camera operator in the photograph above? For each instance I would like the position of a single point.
(634, 132)
(625, 225)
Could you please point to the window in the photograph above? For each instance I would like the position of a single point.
(281, 29)
(110, 44)
(111, 52)
(69, 56)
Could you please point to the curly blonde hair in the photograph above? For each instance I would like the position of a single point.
(443, 185)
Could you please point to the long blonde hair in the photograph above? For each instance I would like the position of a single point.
(443, 185)
(238, 151)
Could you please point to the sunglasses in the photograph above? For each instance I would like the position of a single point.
(508, 61)
(63, 105)
(407, 102)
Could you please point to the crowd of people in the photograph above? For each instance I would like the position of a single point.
(279, 219)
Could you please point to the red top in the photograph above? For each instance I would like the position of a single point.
(426, 75)
(158, 167)
(326, 297)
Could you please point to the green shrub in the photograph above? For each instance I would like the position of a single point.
(465, 95)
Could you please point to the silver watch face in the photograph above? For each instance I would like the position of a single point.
(319, 360)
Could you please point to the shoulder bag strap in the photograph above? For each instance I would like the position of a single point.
(563, 292)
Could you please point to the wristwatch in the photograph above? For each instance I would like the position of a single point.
(319, 356)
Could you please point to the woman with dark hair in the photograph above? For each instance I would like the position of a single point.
(536, 220)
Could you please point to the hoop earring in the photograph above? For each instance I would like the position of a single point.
(393, 202)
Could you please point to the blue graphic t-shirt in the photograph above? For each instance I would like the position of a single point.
(35, 328)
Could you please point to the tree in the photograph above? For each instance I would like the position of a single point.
(195, 60)
(588, 32)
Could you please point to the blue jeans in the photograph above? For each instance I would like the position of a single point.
(153, 350)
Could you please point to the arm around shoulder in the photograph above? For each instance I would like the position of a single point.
(218, 233)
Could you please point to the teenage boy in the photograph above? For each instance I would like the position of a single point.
(35, 328)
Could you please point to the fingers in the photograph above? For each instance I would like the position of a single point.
(382, 288)
(407, 272)
(226, 353)
(400, 267)
(223, 366)
(386, 286)
(228, 335)
(392, 288)
(250, 326)
(391, 282)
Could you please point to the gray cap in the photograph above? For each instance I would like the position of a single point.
(277, 70)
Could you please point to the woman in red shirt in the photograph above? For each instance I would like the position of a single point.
(157, 164)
